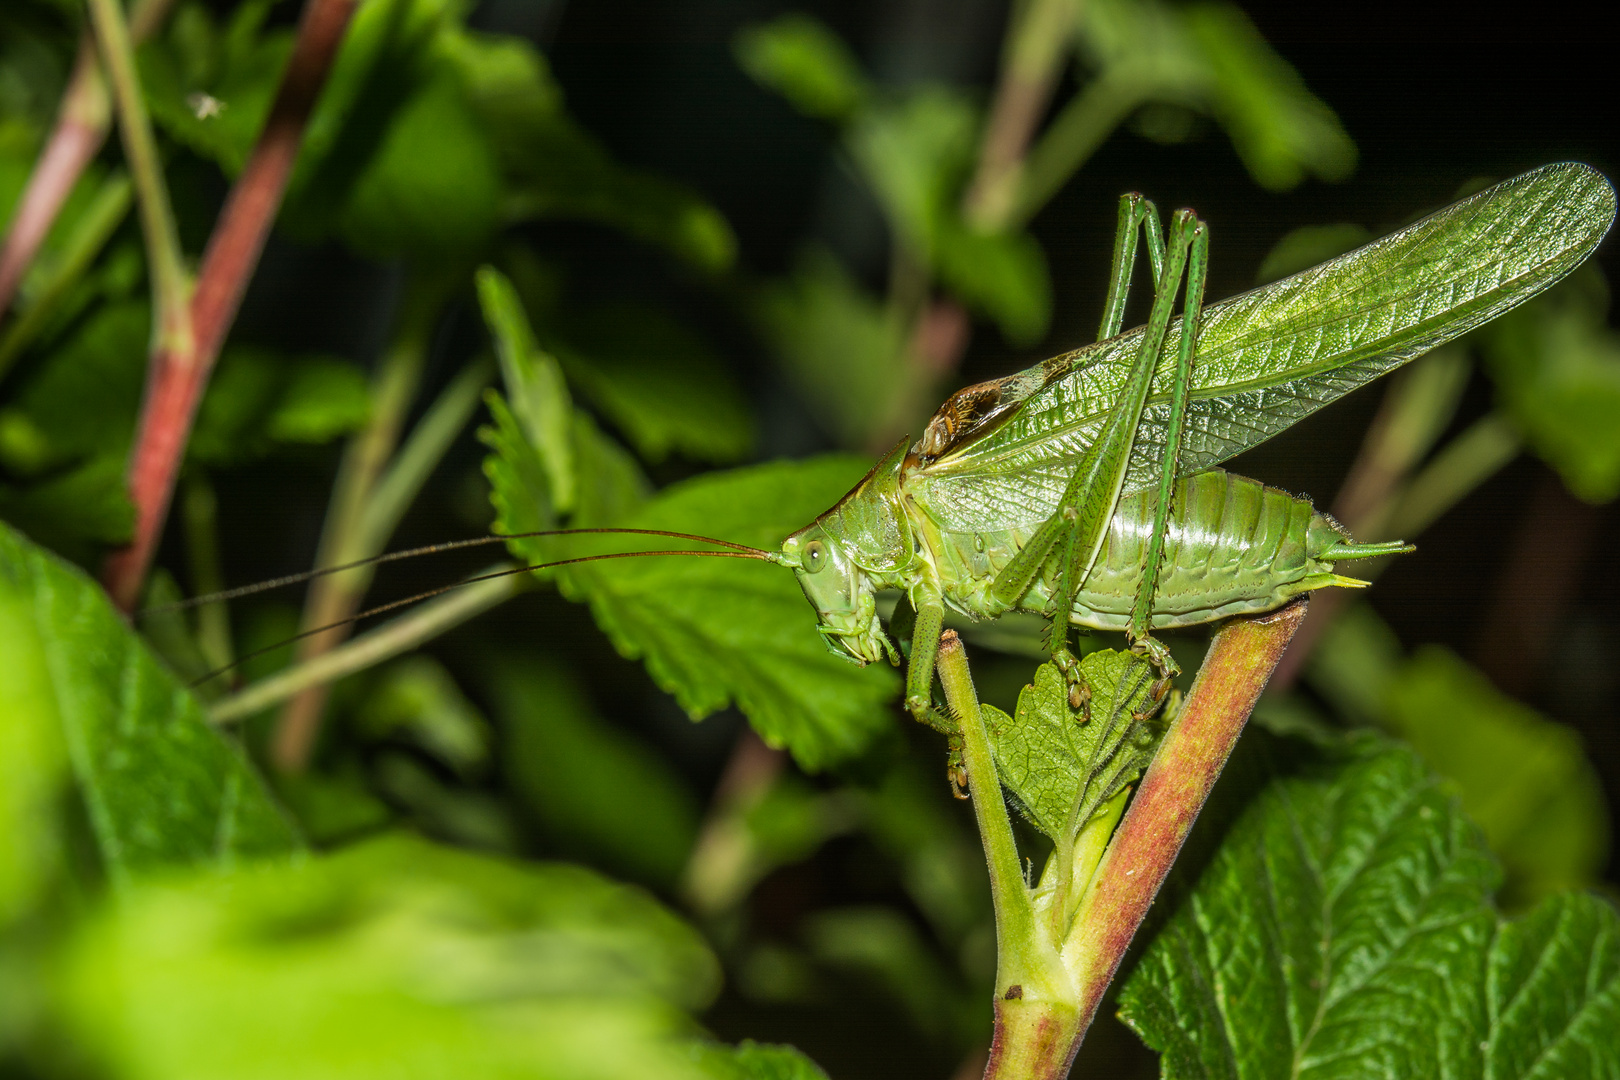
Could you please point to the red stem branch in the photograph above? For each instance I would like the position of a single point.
(176, 379)
(81, 128)
(1195, 748)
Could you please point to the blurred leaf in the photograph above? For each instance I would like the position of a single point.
(598, 791)
(466, 817)
(433, 190)
(801, 59)
(1557, 370)
(914, 152)
(1280, 129)
(395, 958)
(659, 383)
(1206, 57)
(213, 91)
(75, 512)
(258, 399)
(1344, 928)
(1523, 778)
(86, 705)
(844, 350)
(417, 700)
(750, 1060)
(83, 398)
(911, 819)
(534, 384)
(1308, 245)
(332, 807)
(554, 169)
(1002, 275)
(883, 948)
(1060, 767)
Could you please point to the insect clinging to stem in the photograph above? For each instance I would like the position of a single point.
(1085, 489)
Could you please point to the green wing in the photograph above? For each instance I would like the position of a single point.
(1268, 358)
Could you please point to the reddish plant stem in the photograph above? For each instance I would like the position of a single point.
(177, 377)
(81, 128)
(1195, 748)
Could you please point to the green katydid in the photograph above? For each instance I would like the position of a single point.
(1084, 488)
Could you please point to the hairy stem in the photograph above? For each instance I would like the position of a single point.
(346, 537)
(401, 635)
(177, 377)
(1190, 758)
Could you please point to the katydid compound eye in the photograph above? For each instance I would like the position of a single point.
(814, 556)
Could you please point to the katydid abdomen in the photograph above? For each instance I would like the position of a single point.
(1234, 546)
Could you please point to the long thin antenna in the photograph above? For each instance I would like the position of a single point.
(432, 549)
(745, 553)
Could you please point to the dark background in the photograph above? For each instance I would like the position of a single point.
(1519, 578)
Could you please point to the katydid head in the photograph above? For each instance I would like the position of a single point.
(844, 596)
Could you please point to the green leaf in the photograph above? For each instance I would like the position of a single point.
(1524, 779)
(433, 190)
(1061, 767)
(259, 399)
(90, 710)
(914, 153)
(749, 1060)
(1556, 365)
(1308, 245)
(213, 91)
(534, 383)
(716, 631)
(1281, 130)
(1002, 275)
(393, 958)
(417, 700)
(844, 351)
(801, 59)
(75, 512)
(659, 384)
(1344, 929)
(596, 790)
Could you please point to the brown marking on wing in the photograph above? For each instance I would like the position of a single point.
(962, 413)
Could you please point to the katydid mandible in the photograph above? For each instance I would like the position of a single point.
(1083, 489)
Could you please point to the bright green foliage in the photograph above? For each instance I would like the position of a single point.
(805, 62)
(714, 632)
(1344, 929)
(92, 718)
(657, 382)
(1061, 767)
(1523, 778)
(534, 385)
(750, 1060)
(1208, 57)
(210, 87)
(394, 958)
(593, 788)
(258, 399)
(1557, 371)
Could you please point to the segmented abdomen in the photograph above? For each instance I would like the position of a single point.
(1234, 546)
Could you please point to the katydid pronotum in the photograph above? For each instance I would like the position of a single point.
(1084, 489)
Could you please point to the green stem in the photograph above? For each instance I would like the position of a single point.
(171, 282)
(391, 639)
(1462, 465)
(336, 597)
(1083, 125)
(200, 510)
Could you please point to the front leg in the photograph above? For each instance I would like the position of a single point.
(928, 620)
